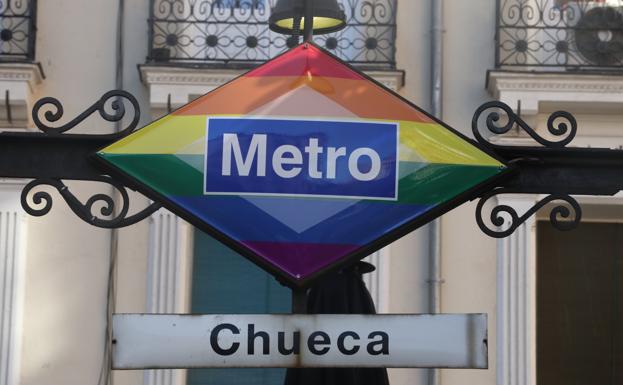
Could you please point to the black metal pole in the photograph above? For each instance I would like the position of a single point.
(299, 301)
(308, 13)
(299, 296)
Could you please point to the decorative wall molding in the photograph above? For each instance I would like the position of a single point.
(535, 90)
(29, 72)
(186, 76)
(168, 278)
(516, 299)
(12, 265)
(17, 84)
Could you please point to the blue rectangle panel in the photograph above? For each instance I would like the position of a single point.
(251, 156)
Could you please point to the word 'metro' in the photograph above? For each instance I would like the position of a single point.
(341, 159)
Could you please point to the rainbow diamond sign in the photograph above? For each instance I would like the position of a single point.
(303, 165)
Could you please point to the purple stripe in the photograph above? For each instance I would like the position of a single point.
(300, 259)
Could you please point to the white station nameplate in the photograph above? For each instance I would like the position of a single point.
(142, 341)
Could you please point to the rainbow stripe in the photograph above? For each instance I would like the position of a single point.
(300, 236)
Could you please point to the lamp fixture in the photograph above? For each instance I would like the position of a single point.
(327, 16)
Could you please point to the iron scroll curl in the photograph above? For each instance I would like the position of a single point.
(41, 203)
(54, 112)
(560, 124)
(560, 215)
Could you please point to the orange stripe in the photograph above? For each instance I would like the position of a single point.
(241, 96)
(367, 100)
(246, 94)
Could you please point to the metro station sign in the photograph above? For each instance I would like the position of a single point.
(303, 165)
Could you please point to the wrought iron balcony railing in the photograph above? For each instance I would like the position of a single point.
(236, 33)
(568, 35)
(17, 30)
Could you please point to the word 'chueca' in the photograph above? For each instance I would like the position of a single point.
(317, 343)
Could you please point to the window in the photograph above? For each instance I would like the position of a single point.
(225, 282)
(580, 305)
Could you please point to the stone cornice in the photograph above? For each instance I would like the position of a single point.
(161, 75)
(187, 76)
(26, 72)
(392, 79)
(555, 82)
(17, 85)
(535, 91)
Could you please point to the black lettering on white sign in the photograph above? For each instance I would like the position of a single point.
(224, 342)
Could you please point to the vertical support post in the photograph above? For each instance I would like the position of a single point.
(299, 301)
(308, 14)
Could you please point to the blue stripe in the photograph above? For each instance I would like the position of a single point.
(358, 224)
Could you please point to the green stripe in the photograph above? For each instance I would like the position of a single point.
(420, 183)
(436, 183)
(167, 174)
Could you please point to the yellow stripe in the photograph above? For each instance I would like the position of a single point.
(168, 135)
(428, 142)
(435, 144)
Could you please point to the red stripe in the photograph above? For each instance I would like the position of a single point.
(305, 60)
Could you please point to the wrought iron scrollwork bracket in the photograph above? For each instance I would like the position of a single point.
(549, 168)
(114, 210)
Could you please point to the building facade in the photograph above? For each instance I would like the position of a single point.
(551, 298)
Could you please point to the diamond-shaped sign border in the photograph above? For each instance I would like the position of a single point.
(349, 258)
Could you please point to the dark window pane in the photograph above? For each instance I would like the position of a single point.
(579, 305)
(225, 282)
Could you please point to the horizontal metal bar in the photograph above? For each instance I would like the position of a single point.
(581, 171)
(586, 171)
(37, 155)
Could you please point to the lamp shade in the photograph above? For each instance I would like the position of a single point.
(328, 17)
